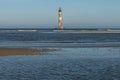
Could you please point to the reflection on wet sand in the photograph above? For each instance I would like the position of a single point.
(22, 51)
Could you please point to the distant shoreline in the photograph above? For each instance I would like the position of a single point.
(67, 30)
(57, 28)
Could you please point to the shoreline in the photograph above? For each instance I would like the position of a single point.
(23, 51)
(69, 30)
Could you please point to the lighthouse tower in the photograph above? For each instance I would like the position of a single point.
(60, 27)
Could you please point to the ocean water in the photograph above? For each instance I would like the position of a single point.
(67, 64)
(79, 56)
(56, 39)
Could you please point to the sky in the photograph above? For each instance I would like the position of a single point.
(44, 13)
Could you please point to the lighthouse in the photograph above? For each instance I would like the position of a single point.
(60, 26)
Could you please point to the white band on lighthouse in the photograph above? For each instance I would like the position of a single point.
(60, 18)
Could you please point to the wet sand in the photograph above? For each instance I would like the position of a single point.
(22, 51)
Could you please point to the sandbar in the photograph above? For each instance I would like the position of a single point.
(22, 51)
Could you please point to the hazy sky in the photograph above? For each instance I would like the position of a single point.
(76, 13)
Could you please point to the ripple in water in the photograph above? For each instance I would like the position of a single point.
(67, 64)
